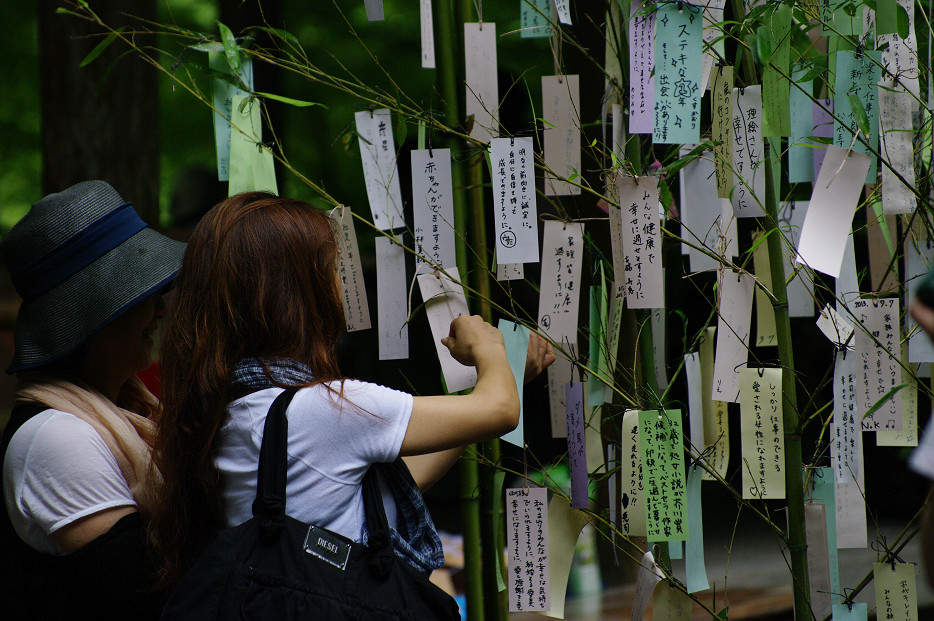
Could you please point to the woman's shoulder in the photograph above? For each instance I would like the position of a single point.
(52, 429)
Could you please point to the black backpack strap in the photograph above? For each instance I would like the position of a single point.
(380, 541)
(269, 505)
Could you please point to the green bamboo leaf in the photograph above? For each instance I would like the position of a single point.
(100, 47)
(901, 21)
(759, 240)
(288, 100)
(878, 404)
(751, 41)
(859, 114)
(285, 35)
(231, 51)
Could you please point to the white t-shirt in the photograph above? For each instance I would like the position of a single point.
(58, 470)
(332, 442)
(922, 458)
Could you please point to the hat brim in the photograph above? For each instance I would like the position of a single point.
(64, 318)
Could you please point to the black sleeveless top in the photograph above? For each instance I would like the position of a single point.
(111, 577)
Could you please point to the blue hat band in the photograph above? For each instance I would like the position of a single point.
(93, 242)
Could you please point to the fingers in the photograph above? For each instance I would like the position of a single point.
(539, 357)
(924, 315)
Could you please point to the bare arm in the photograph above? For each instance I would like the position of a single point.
(428, 468)
(81, 532)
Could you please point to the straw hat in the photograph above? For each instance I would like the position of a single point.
(80, 259)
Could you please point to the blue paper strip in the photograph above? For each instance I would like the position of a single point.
(678, 41)
(516, 337)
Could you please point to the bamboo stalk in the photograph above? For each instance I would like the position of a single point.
(794, 485)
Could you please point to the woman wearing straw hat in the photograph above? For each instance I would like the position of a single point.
(77, 476)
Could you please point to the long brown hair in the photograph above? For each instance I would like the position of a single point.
(257, 280)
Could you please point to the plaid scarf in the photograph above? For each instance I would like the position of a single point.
(418, 544)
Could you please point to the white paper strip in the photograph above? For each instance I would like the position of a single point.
(378, 154)
(632, 498)
(701, 212)
(692, 372)
(510, 271)
(748, 152)
(818, 556)
(919, 259)
(350, 271)
(835, 327)
(900, 57)
(830, 213)
(800, 299)
(433, 209)
(374, 10)
(649, 576)
(641, 69)
(480, 76)
(846, 287)
(878, 371)
(559, 373)
(735, 313)
(851, 509)
(444, 301)
(391, 288)
(762, 433)
(896, 134)
(515, 216)
(713, 38)
(562, 134)
(428, 35)
(527, 549)
(559, 299)
(641, 233)
(563, 9)
(844, 444)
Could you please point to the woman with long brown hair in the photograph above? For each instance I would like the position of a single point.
(258, 310)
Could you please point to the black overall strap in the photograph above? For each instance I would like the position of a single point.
(380, 542)
(269, 505)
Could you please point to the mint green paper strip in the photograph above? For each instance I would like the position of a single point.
(245, 133)
(221, 95)
(499, 477)
(822, 480)
(676, 550)
(596, 389)
(516, 337)
(662, 447)
(264, 171)
(535, 18)
(842, 612)
(678, 41)
(421, 135)
(859, 75)
(694, 565)
(776, 121)
(800, 157)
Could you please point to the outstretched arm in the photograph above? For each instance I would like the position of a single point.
(428, 468)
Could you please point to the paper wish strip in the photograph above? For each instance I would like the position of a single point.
(632, 491)
(510, 271)
(850, 508)
(775, 86)
(846, 439)
(908, 434)
(896, 134)
(563, 9)
(527, 549)
(641, 237)
(716, 413)
(252, 167)
(678, 38)
(577, 448)
(818, 559)
(560, 373)
(766, 332)
(480, 76)
(896, 591)
(535, 18)
(559, 297)
(433, 209)
(427, 34)
(735, 313)
(374, 10)
(799, 290)
(800, 153)
(748, 152)
(694, 564)
(222, 94)
(444, 302)
(378, 154)
(820, 489)
(702, 223)
(878, 371)
(835, 327)
(515, 215)
(662, 454)
(641, 68)
(846, 287)
(391, 288)
(712, 37)
(516, 338)
(763, 433)
(562, 134)
(564, 528)
(350, 271)
(900, 57)
(721, 113)
(615, 214)
(830, 213)
(857, 74)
